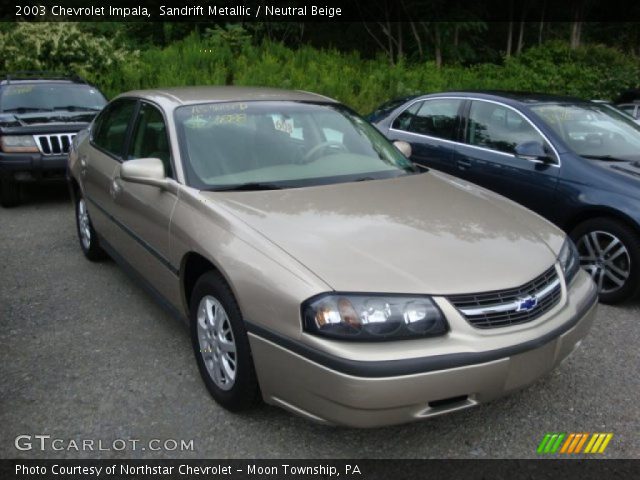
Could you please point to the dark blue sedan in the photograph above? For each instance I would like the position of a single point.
(575, 162)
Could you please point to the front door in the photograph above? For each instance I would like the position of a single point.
(487, 156)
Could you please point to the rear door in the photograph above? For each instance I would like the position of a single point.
(99, 160)
(431, 128)
(143, 212)
(487, 156)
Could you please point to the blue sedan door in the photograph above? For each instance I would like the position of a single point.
(430, 127)
(487, 157)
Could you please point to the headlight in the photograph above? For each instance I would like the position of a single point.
(569, 260)
(372, 317)
(18, 143)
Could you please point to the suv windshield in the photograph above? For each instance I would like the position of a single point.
(593, 130)
(35, 97)
(265, 144)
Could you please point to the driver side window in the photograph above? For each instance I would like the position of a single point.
(150, 139)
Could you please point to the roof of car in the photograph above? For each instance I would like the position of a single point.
(22, 81)
(516, 97)
(192, 95)
(40, 76)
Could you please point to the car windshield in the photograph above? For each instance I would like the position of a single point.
(593, 130)
(266, 144)
(35, 97)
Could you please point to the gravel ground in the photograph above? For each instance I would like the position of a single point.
(86, 354)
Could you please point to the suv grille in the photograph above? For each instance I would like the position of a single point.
(510, 307)
(54, 144)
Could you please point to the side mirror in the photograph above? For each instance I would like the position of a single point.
(146, 171)
(403, 147)
(532, 151)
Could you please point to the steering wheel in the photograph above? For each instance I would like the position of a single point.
(309, 155)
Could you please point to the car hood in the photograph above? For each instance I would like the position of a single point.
(42, 118)
(630, 167)
(427, 233)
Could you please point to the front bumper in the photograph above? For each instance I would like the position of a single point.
(30, 167)
(329, 390)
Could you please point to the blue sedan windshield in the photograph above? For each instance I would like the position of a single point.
(592, 130)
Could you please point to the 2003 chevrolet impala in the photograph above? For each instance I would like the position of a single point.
(318, 268)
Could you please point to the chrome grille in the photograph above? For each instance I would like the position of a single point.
(510, 307)
(54, 144)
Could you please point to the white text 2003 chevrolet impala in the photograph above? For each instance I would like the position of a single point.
(319, 269)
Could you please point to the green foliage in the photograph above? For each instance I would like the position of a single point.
(63, 47)
(228, 56)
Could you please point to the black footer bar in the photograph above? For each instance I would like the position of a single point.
(320, 469)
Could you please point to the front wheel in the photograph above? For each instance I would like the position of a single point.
(221, 344)
(610, 253)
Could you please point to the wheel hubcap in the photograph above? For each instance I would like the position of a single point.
(217, 344)
(606, 258)
(83, 224)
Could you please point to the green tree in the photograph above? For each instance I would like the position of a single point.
(63, 47)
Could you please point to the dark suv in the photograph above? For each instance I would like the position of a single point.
(40, 115)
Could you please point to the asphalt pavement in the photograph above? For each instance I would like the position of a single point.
(86, 354)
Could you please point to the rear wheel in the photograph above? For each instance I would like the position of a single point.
(86, 233)
(221, 344)
(610, 253)
(9, 193)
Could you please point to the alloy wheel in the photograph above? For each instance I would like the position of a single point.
(606, 258)
(217, 343)
(84, 224)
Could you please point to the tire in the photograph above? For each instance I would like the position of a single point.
(221, 345)
(610, 252)
(87, 235)
(9, 193)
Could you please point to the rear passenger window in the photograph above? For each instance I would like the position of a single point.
(499, 128)
(111, 127)
(435, 118)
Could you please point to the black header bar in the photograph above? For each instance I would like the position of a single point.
(220, 11)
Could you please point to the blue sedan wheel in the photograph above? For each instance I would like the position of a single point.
(610, 253)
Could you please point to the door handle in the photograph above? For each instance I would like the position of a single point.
(115, 188)
(464, 163)
(83, 165)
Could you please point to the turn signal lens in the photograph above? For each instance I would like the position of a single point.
(348, 314)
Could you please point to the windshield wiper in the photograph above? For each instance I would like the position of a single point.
(605, 157)
(248, 187)
(77, 108)
(26, 109)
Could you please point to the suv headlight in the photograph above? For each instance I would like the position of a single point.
(18, 144)
(372, 317)
(569, 259)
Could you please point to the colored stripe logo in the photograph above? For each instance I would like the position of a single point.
(572, 443)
